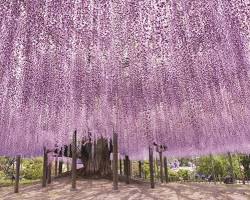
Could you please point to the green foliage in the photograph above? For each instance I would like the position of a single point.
(183, 174)
(221, 166)
(173, 175)
(6, 166)
(146, 168)
(245, 162)
(2, 174)
(32, 168)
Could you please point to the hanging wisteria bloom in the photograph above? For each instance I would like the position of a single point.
(173, 72)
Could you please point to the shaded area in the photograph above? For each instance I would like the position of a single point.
(102, 189)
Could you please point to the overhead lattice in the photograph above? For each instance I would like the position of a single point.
(175, 72)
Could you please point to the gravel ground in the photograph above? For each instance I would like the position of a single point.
(102, 190)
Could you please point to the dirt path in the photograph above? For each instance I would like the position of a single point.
(102, 190)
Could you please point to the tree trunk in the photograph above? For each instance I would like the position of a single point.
(97, 160)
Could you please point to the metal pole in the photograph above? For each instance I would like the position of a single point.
(115, 161)
(151, 167)
(18, 161)
(73, 169)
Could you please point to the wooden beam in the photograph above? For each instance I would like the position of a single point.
(17, 178)
(45, 165)
(73, 169)
(166, 169)
(115, 161)
(151, 167)
(161, 167)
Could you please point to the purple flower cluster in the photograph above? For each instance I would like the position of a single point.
(173, 72)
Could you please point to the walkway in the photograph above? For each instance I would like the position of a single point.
(102, 190)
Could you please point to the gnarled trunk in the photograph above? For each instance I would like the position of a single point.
(96, 158)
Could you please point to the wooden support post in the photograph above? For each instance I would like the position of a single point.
(231, 166)
(156, 170)
(151, 167)
(49, 173)
(127, 169)
(73, 168)
(60, 167)
(140, 169)
(130, 168)
(124, 166)
(67, 166)
(161, 167)
(45, 165)
(56, 166)
(18, 162)
(166, 169)
(120, 167)
(115, 161)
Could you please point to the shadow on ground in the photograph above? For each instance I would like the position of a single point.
(102, 190)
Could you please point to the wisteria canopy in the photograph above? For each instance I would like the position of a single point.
(174, 72)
